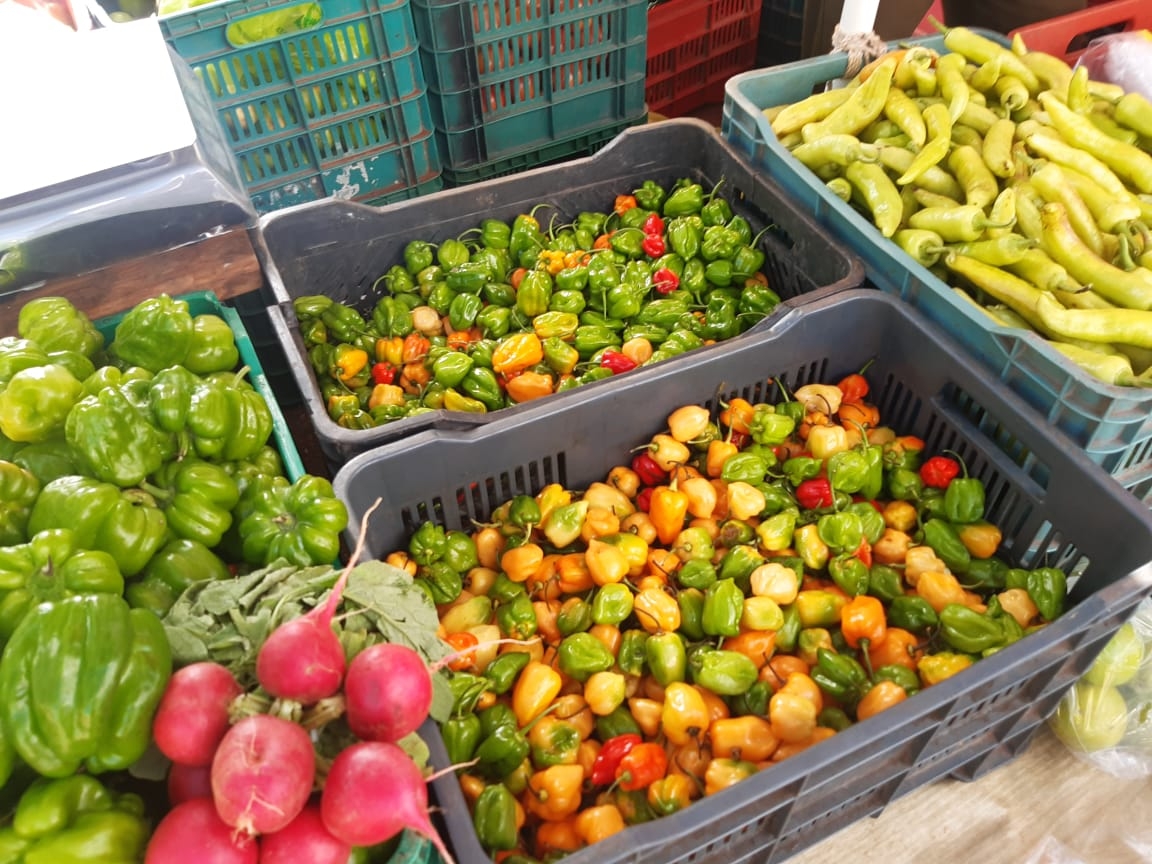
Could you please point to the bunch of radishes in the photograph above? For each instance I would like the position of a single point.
(243, 792)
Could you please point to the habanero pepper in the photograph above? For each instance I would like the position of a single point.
(814, 493)
(607, 761)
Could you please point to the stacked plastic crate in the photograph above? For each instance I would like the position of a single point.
(518, 83)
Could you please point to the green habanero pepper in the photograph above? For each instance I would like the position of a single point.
(697, 573)
(848, 471)
(717, 212)
(450, 368)
(397, 280)
(632, 656)
(499, 294)
(885, 583)
(575, 616)
(502, 751)
(719, 244)
(517, 619)
(461, 737)
(1048, 588)
(503, 671)
(913, 613)
(691, 603)
(650, 195)
(494, 818)
(944, 540)
(870, 518)
(418, 255)
(494, 322)
(738, 563)
(612, 604)
(842, 532)
(987, 574)
(684, 201)
(850, 574)
(580, 655)
(788, 635)
(746, 467)
(746, 263)
(904, 484)
(684, 238)
(840, 676)
(481, 383)
(725, 673)
(969, 631)
(463, 310)
(723, 606)
(666, 657)
(451, 253)
(964, 500)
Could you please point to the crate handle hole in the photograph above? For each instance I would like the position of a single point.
(275, 24)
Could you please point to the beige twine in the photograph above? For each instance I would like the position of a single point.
(862, 48)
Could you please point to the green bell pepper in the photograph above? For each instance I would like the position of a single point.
(229, 419)
(55, 324)
(72, 820)
(114, 439)
(213, 347)
(46, 460)
(299, 521)
(37, 401)
(18, 490)
(170, 572)
(197, 498)
(49, 567)
(17, 354)
(125, 523)
(155, 333)
(82, 678)
(170, 398)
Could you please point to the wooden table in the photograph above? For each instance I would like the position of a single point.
(224, 264)
(1044, 807)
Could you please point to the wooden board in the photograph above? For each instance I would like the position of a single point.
(224, 264)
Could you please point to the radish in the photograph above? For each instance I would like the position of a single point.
(373, 792)
(304, 839)
(192, 715)
(262, 773)
(387, 692)
(193, 833)
(303, 659)
(186, 782)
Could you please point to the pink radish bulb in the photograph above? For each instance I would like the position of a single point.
(373, 792)
(303, 659)
(262, 774)
(193, 833)
(387, 692)
(186, 782)
(304, 839)
(192, 715)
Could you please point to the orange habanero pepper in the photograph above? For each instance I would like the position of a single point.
(667, 509)
(529, 385)
(863, 621)
(517, 352)
(555, 793)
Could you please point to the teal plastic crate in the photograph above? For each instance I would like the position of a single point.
(1112, 424)
(206, 303)
(549, 154)
(509, 78)
(316, 100)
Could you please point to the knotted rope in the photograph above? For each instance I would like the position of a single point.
(862, 48)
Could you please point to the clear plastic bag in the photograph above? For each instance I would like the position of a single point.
(1106, 717)
(1124, 59)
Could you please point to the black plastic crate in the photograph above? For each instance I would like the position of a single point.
(340, 249)
(1080, 519)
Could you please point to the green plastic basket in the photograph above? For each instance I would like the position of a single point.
(507, 79)
(316, 100)
(206, 303)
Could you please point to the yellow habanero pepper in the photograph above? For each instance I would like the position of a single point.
(555, 793)
(536, 687)
(684, 716)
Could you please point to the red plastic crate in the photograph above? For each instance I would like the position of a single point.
(1068, 35)
(694, 47)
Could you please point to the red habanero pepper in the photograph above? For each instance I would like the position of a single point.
(383, 373)
(653, 245)
(739, 440)
(642, 766)
(939, 471)
(650, 473)
(814, 492)
(653, 224)
(617, 362)
(607, 761)
(644, 498)
(665, 281)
